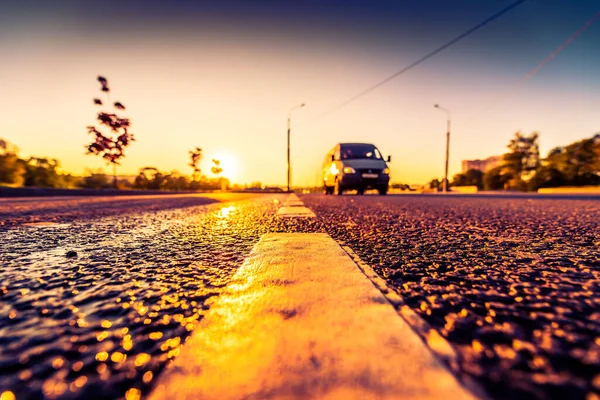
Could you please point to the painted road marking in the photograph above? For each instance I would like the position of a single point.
(300, 320)
(294, 197)
(293, 207)
(292, 212)
(293, 201)
(438, 345)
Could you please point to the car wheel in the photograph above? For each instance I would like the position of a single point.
(360, 192)
(383, 190)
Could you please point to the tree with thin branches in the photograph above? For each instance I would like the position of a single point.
(111, 135)
(195, 157)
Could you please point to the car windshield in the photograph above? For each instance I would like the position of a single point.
(356, 151)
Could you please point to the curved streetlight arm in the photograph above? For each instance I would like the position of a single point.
(444, 110)
(295, 108)
(441, 108)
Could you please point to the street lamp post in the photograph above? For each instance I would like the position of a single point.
(445, 182)
(289, 167)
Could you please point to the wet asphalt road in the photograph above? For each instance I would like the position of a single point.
(106, 322)
(47, 210)
(512, 282)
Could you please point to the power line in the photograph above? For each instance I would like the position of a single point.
(540, 65)
(561, 47)
(424, 58)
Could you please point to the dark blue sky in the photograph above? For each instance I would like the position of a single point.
(531, 30)
(375, 18)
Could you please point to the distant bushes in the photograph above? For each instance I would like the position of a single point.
(96, 180)
(45, 172)
(12, 168)
(34, 171)
(153, 179)
(577, 164)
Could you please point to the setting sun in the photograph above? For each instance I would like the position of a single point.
(229, 164)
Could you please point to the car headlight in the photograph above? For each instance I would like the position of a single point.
(349, 170)
(386, 171)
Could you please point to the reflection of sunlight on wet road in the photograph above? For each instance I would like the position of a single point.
(224, 216)
(46, 212)
(225, 211)
(107, 320)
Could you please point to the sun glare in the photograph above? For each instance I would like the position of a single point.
(229, 164)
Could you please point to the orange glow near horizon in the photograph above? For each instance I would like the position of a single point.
(229, 164)
(230, 95)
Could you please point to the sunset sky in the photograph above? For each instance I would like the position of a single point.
(222, 75)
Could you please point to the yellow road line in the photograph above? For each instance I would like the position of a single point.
(301, 321)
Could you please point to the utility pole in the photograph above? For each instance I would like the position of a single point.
(445, 182)
(289, 166)
(289, 128)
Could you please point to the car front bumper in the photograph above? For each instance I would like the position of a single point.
(355, 181)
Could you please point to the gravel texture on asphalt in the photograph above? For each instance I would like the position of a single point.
(48, 210)
(106, 320)
(512, 283)
(97, 296)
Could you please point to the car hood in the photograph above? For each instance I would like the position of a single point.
(365, 163)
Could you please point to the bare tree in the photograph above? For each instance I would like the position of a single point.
(195, 157)
(110, 145)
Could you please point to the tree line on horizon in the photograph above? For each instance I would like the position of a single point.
(522, 168)
(45, 172)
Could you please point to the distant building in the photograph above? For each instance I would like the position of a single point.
(482, 165)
